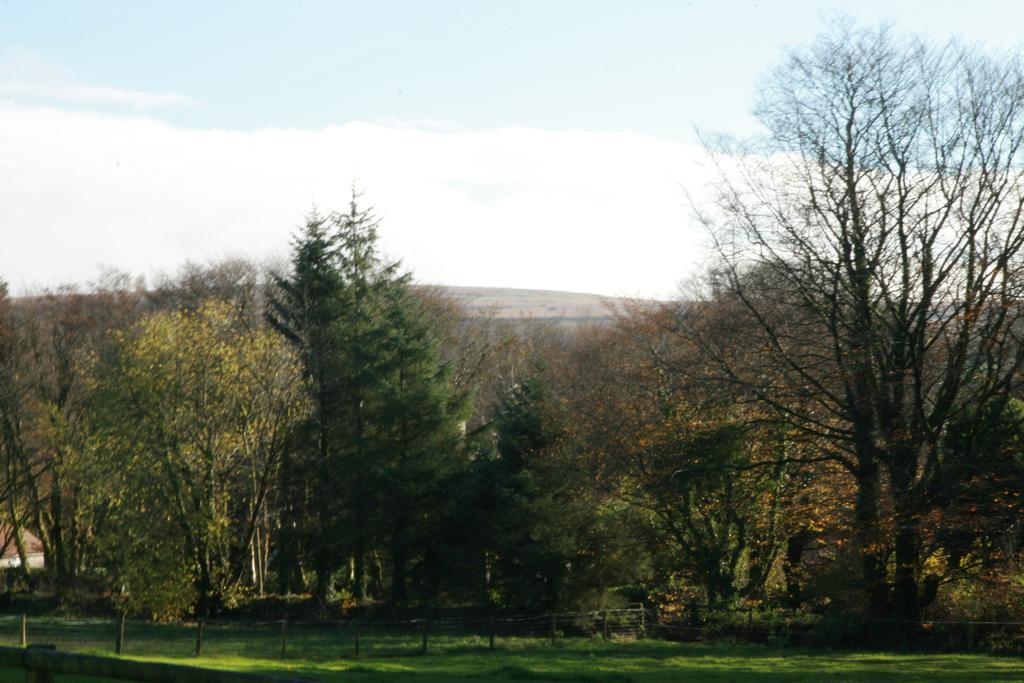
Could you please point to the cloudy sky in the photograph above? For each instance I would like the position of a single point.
(504, 143)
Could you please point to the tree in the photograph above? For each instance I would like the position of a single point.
(870, 244)
(686, 458)
(21, 466)
(303, 308)
(386, 422)
(60, 331)
(189, 425)
(399, 418)
(533, 527)
(977, 510)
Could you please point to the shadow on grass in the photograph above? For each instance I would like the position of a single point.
(328, 656)
(663, 662)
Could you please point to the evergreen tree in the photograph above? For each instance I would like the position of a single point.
(303, 308)
(361, 336)
(400, 417)
(385, 432)
(420, 444)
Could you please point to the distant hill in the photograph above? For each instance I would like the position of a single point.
(536, 304)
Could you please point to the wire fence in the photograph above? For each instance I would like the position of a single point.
(782, 627)
(318, 640)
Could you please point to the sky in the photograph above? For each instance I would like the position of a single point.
(511, 143)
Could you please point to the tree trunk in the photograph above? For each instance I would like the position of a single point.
(204, 589)
(359, 574)
(904, 601)
(869, 536)
(289, 571)
(323, 581)
(56, 547)
(905, 605)
(795, 546)
(399, 561)
(19, 539)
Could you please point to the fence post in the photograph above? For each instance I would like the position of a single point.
(199, 638)
(284, 638)
(359, 628)
(426, 627)
(554, 627)
(490, 631)
(604, 624)
(24, 630)
(643, 621)
(119, 637)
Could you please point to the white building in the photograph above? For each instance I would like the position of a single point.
(9, 549)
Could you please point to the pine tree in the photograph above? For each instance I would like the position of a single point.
(361, 334)
(386, 429)
(400, 416)
(421, 414)
(303, 309)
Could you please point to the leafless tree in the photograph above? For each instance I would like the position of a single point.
(872, 244)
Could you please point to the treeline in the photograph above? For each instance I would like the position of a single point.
(332, 430)
(321, 428)
(828, 419)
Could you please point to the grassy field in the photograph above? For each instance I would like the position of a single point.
(594, 661)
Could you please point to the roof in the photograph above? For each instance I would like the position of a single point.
(9, 549)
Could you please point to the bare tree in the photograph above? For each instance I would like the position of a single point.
(871, 243)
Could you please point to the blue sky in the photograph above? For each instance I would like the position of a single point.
(627, 81)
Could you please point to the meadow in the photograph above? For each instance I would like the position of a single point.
(327, 655)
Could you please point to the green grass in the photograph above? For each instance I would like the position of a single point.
(326, 655)
(647, 662)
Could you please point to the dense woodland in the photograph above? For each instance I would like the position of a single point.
(828, 418)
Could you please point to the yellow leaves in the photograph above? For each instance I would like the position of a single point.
(205, 362)
(201, 397)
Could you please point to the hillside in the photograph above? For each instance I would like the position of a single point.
(536, 304)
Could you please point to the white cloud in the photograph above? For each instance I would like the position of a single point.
(27, 78)
(584, 211)
(90, 94)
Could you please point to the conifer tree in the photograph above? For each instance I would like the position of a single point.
(385, 433)
(303, 309)
(421, 415)
(400, 416)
